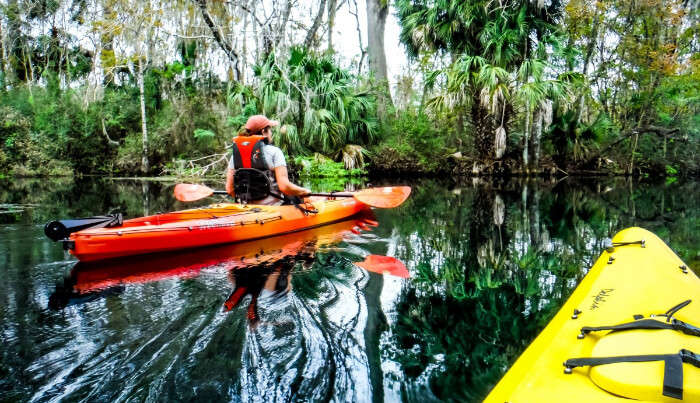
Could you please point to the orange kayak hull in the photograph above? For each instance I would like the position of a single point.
(211, 225)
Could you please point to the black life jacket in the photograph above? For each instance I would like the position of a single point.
(252, 180)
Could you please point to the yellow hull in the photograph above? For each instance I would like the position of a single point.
(638, 281)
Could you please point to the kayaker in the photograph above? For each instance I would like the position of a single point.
(246, 154)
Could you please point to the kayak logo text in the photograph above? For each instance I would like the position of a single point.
(601, 297)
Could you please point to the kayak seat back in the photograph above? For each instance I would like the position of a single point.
(251, 184)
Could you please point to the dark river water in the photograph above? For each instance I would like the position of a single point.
(488, 265)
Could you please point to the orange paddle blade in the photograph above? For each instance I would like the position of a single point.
(384, 264)
(186, 192)
(386, 197)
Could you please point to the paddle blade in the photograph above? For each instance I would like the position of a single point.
(384, 264)
(386, 197)
(186, 192)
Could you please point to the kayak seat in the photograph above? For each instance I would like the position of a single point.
(253, 184)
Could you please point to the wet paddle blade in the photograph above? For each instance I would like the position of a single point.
(385, 197)
(384, 264)
(186, 192)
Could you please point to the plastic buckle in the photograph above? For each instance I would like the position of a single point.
(690, 357)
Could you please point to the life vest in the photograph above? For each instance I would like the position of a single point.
(247, 152)
(252, 180)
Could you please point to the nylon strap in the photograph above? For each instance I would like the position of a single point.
(651, 324)
(648, 324)
(676, 308)
(673, 367)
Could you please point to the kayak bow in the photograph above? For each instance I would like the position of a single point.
(629, 331)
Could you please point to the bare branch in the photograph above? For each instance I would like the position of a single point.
(219, 37)
(659, 131)
(311, 35)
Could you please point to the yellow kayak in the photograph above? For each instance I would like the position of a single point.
(630, 330)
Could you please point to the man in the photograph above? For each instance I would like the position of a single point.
(255, 150)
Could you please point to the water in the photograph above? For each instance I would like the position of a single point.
(489, 265)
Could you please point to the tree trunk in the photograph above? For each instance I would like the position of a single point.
(3, 57)
(244, 50)
(144, 130)
(587, 58)
(283, 24)
(526, 140)
(311, 34)
(535, 139)
(13, 42)
(332, 5)
(483, 126)
(220, 38)
(358, 26)
(377, 11)
(107, 51)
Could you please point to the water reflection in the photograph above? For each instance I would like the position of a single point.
(493, 262)
(298, 323)
(489, 264)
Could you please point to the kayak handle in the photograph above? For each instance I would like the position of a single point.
(61, 229)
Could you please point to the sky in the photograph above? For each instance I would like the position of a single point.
(346, 42)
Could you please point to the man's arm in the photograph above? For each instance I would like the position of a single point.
(284, 184)
(229, 182)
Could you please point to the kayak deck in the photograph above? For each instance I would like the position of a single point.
(635, 278)
(210, 225)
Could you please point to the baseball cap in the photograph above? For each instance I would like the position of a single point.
(258, 122)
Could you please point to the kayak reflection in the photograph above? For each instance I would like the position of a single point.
(92, 280)
(299, 320)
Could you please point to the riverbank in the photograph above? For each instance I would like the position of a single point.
(393, 165)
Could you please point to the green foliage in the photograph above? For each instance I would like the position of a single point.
(203, 134)
(415, 138)
(62, 132)
(320, 104)
(484, 69)
(321, 167)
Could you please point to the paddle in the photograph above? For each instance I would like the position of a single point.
(384, 197)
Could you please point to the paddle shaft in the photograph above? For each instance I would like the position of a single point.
(332, 194)
(223, 192)
(386, 197)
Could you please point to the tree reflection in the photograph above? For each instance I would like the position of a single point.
(494, 265)
(490, 264)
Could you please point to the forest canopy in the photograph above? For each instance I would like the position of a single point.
(518, 87)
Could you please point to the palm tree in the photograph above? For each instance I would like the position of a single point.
(320, 104)
(537, 93)
(487, 41)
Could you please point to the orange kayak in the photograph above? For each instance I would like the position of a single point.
(210, 225)
(88, 279)
(95, 276)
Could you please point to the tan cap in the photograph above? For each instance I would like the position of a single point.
(258, 122)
